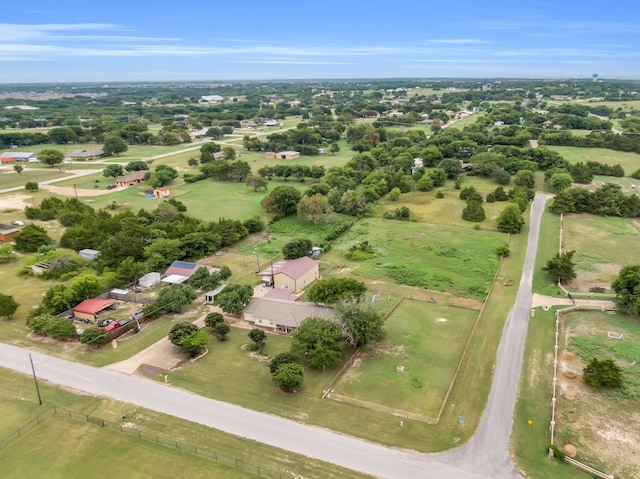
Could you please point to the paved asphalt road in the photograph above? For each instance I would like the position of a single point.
(484, 456)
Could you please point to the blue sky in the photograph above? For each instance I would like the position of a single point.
(116, 40)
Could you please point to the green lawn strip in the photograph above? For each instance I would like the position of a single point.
(18, 400)
(574, 154)
(436, 257)
(530, 441)
(9, 179)
(548, 243)
(426, 340)
(592, 237)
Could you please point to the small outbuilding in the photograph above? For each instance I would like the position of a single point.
(89, 309)
(210, 296)
(8, 232)
(288, 155)
(90, 254)
(292, 274)
(149, 280)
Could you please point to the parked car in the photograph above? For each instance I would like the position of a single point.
(111, 326)
(110, 187)
(122, 322)
(17, 223)
(103, 322)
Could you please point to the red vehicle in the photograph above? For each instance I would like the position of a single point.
(111, 326)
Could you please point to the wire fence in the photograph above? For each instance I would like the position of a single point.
(235, 463)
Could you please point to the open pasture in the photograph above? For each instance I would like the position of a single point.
(411, 370)
(574, 154)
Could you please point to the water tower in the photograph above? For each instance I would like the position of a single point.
(594, 77)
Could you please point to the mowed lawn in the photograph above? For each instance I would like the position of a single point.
(453, 259)
(68, 448)
(425, 339)
(9, 179)
(573, 154)
(603, 246)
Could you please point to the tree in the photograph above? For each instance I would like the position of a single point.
(394, 194)
(282, 201)
(525, 178)
(334, 148)
(18, 168)
(8, 305)
(162, 176)
(31, 237)
(313, 208)
(234, 298)
(259, 337)
(297, 248)
(50, 157)
(59, 328)
(452, 167)
(181, 330)
(193, 162)
(255, 182)
(228, 153)
(137, 165)
(222, 329)
(319, 342)
(93, 336)
(560, 181)
(561, 267)
(510, 219)
(362, 324)
(627, 288)
(114, 145)
(603, 373)
(474, 210)
(112, 171)
(501, 176)
(31, 186)
(289, 376)
(203, 280)
(282, 358)
(173, 298)
(129, 270)
(563, 202)
(189, 337)
(332, 290)
(212, 319)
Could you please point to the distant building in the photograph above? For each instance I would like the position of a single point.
(8, 232)
(18, 156)
(133, 178)
(162, 192)
(85, 154)
(90, 254)
(149, 280)
(208, 99)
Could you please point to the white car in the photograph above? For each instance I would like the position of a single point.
(17, 223)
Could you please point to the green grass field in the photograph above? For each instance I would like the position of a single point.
(427, 340)
(530, 441)
(548, 243)
(573, 154)
(127, 456)
(9, 179)
(597, 260)
(438, 257)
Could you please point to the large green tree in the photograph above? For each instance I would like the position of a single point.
(319, 342)
(282, 201)
(259, 337)
(561, 267)
(173, 298)
(510, 219)
(31, 237)
(627, 288)
(362, 324)
(8, 305)
(297, 248)
(234, 298)
(114, 145)
(112, 171)
(289, 376)
(50, 157)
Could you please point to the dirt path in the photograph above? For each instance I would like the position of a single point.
(71, 191)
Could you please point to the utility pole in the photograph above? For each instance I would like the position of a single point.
(35, 380)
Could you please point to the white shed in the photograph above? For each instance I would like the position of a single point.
(149, 280)
(210, 296)
(90, 254)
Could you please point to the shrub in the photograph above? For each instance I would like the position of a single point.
(212, 319)
(31, 186)
(439, 194)
(503, 250)
(557, 453)
(603, 373)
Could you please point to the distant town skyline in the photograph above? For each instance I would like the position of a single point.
(71, 41)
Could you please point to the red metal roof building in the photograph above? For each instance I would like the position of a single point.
(90, 308)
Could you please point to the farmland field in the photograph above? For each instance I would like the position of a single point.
(426, 340)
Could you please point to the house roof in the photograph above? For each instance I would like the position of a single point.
(293, 268)
(17, 154)
(182, 268)
(279, 293)
(289, 152)
(133, 176)
(6, 229)
(93, 306)
(85, 153)
(175, 279)
(286, 313)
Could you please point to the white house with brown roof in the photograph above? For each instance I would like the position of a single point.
(85, 154)
(291, 274)
(281, 315)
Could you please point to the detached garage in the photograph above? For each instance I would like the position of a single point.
(89, 309)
